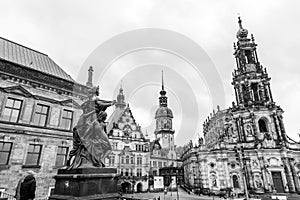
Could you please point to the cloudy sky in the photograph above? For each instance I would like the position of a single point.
(190, 40)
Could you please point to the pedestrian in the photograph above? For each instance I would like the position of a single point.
(28, 186)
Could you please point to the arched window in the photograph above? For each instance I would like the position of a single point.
(262, 126)
(235, 181)
(127, 159)
(255, 93)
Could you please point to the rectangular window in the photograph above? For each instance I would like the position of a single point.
(33, 154)
(41, 115)
(111, 160)
(159, 164)
(5, 150)
(139, 172)
(127, 172)
(154, 163)
(132, 160)
(12, 110)
(66, 119)
(115, 145)
(61, 156)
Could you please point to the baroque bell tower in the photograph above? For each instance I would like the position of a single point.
(163, 117)
(250, 80)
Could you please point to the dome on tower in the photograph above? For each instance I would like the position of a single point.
(163, 112)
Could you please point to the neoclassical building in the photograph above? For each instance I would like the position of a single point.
(246, 144)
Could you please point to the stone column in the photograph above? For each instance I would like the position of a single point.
(264, 172)
(288, 174)
(277, 127)
(294, 174)
(270, 93)
(249, 176)
(281, 126)
(240, 92)
(236, 95)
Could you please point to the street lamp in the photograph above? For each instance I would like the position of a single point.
(177, 183)
(239, 153)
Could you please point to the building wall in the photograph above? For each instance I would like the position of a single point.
(24, 132)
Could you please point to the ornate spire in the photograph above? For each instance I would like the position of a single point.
(162, 92)
(242, 33)
(163, 99)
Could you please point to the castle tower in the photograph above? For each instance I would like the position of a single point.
(120, 99)
(163, 117)
(250, 80)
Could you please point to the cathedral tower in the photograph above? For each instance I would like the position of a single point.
(163, 117)
(250, 79)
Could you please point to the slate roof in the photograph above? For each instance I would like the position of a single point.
(114, 118)
(30, 58)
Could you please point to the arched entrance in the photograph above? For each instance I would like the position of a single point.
(126, 187)
(139, 187)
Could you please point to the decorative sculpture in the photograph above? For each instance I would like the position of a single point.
(90, 142)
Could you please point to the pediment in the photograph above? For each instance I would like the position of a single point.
(70, 103)
(18, 90)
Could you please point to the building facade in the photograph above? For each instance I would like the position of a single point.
(130, 154)
(138, 159)
(39, 105)
(245, 145)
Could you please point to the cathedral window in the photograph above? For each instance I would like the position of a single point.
(262, 126)
(249, 56)
(235, 181)
(12, 110)
(254, 88)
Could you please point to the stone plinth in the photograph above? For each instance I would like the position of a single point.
(86, 184)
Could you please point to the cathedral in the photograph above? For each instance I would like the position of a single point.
(245, 147)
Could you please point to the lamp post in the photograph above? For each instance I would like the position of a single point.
(177, 183)
(239, 157)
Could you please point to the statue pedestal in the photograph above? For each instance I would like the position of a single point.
(86, 184)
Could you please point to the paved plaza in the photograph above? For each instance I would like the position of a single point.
(169, 196)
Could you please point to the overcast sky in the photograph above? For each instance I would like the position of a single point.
(71, 31)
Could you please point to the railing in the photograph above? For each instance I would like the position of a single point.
(6, 196)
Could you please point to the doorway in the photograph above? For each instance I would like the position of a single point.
(126, 187)
(139, 187)
(277, 180)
